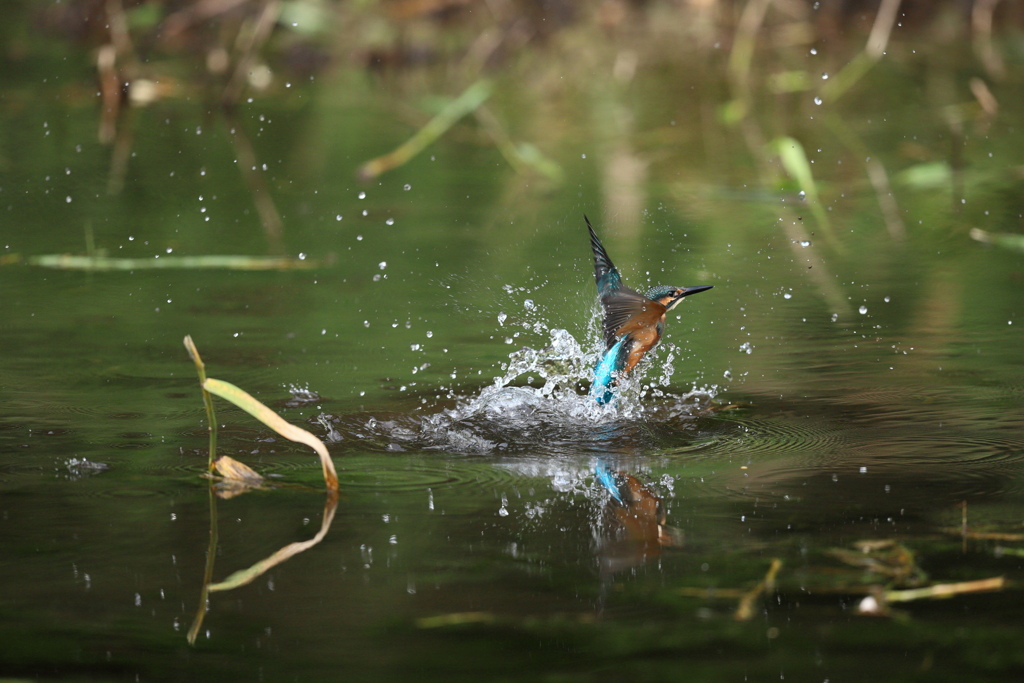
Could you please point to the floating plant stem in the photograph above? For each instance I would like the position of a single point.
(741, 59)
(745, 610)
(211, 418)
(254, 177)
(455, 619)
(243, 477)
(229, 262)
(1007, 240)
(470, 99)
(521, 156)
(945, 590)
(794, 160)
(878, 39)
(246, 402)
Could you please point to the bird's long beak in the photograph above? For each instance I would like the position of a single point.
(687, 291)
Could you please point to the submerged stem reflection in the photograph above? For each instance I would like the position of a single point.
(211, 553)
(246, 576)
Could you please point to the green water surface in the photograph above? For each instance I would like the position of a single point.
(858, 374)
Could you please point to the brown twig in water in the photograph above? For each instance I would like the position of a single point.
(945, 590)
(257, 183)
(745, 610)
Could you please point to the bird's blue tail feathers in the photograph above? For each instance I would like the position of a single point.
(606, 477)
(604, 374)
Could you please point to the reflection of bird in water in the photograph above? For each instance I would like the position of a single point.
(634, 529)
(633, 322)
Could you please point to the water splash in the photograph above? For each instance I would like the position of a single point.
(541, 403)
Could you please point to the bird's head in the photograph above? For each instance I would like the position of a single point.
(668, 296)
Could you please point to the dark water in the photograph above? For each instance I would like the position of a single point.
(859, 380)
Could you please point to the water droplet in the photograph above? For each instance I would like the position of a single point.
(390, 221)
(502, 318)
(787, 295)
(863, 310)
(805, 243)
(362, 195)
(529, 305)
(382, 265)
(817, 100)
(824, 76)
(407, 187)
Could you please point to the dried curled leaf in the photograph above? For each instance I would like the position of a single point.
(229, 468)
(238, 478)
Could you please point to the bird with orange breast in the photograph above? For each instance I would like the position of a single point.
(633, 322)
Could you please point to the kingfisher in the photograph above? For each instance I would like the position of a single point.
(633, 322)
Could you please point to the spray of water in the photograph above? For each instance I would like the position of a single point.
(544, 392)
(539, 400)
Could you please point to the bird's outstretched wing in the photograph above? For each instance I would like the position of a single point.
(620, 303)
(605, 273)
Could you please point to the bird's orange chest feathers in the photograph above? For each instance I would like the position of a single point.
(651, 316)
(643, 332)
